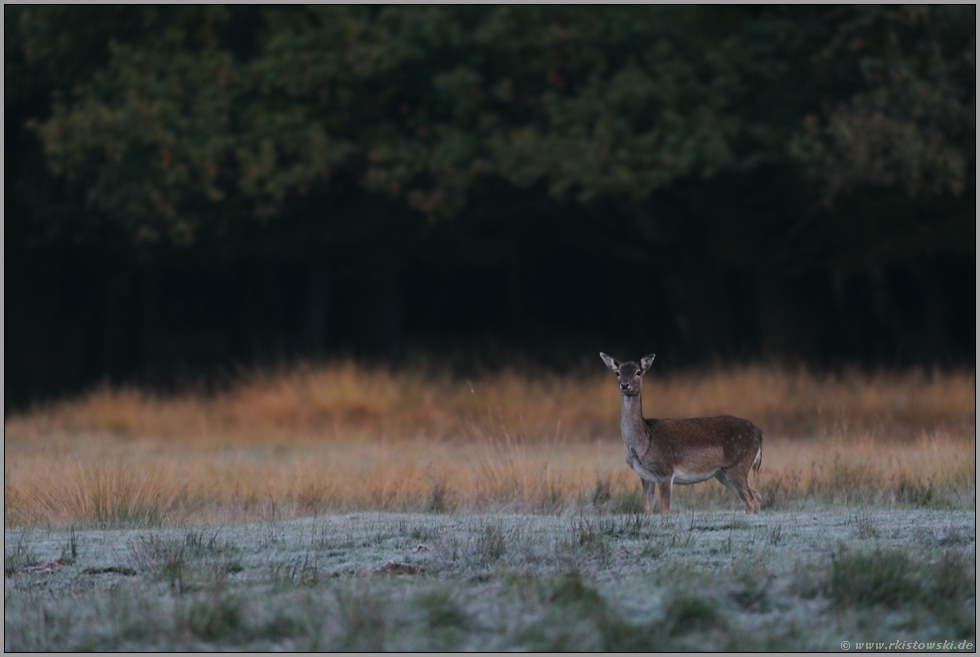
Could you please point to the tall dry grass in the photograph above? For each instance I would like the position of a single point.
(343, 436)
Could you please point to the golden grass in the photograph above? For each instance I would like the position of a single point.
(341, 436)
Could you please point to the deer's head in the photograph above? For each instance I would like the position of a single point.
(630, 374)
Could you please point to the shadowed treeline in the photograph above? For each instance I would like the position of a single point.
(190, 189)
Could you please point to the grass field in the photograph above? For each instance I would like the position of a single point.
(346, 507)
(341, 437)
(715, 580)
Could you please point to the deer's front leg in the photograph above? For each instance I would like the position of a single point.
(665, 486)
(649, 488)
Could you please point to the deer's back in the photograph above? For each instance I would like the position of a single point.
(727, 437)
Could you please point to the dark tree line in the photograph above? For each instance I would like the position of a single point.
(199, 187)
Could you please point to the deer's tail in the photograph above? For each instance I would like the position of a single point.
(757, 463)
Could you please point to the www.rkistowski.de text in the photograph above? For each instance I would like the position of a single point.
(908, 645)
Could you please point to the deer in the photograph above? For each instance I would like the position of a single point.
(664, 452)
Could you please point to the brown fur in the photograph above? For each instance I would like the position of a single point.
(667, 451)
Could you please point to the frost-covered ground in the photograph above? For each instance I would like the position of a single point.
(375, 581)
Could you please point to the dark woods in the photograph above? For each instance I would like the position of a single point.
(189, 189)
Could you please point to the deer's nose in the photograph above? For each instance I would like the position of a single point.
(624, 386)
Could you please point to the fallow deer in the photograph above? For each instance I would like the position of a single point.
(665, 452)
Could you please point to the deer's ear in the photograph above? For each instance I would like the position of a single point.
(610, 362)
(647, 361)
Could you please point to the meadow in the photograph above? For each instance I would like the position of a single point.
(713, 580)
(343, 437)
(343, 506)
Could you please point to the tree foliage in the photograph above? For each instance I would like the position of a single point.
(177, 119)
(211, 185)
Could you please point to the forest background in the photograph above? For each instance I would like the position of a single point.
(190, 190)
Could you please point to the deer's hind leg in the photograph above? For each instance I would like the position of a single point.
(649, 488)
(665, 486)
(738, 482)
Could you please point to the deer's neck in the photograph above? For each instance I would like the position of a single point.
(632, 423)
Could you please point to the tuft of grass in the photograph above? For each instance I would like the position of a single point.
(632, 526)
(582, 619)
(571, 589)
(619, 635)
(442, 612)
(952, 579)
(169, 558)
(780, 490)
(865, 524)
(752, 587)
(919, 494)
(118, 495)
(591, 534)
(362, 619)
(608, 497)
(217, 617)
(602, 491)
(579, 606)
(441, 498)
(423, 533)
(628, 502)
(17, 556)
(491, 543)
(954, 536)
(69, 552)
(892, 579)
(299, 571)
(165, 558)
(653, 550)
(887, 577)
(687, 614)
(775, 534)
